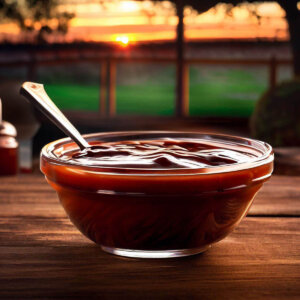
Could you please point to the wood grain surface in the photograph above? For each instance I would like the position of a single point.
(43, 256)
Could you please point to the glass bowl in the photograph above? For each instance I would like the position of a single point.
(157, 213)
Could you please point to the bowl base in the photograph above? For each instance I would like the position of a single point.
(154, 254)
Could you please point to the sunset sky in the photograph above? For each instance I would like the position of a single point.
(130, 21)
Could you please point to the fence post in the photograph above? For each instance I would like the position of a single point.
(103, 88)
(111, 93)
(179, 103)
(272, 73)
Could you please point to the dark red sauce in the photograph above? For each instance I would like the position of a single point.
(158, 154)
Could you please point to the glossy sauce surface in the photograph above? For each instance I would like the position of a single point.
(159, 154)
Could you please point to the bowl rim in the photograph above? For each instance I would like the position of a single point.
(266, 157)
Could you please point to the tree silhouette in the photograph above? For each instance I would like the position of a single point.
(40, 17)
(292, 17)
(289, 6)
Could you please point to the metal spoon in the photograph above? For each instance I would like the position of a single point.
(35, 93)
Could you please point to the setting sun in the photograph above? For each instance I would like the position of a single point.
(123, 40)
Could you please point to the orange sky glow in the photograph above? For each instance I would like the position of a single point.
(127, 22)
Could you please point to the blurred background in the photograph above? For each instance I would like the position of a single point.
(212, 66)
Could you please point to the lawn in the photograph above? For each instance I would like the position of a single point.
(222, 92)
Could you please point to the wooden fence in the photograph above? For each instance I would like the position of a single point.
(108, 72)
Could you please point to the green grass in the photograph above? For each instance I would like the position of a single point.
(76, 97)
(146, 99)
(226, 93)
(215, 99)
(222, 93)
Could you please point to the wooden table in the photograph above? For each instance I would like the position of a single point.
(43, 256)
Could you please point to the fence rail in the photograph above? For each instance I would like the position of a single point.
(108, 72)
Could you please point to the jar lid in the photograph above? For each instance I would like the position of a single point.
(7, 129)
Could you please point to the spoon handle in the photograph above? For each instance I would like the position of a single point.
(35, 93)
